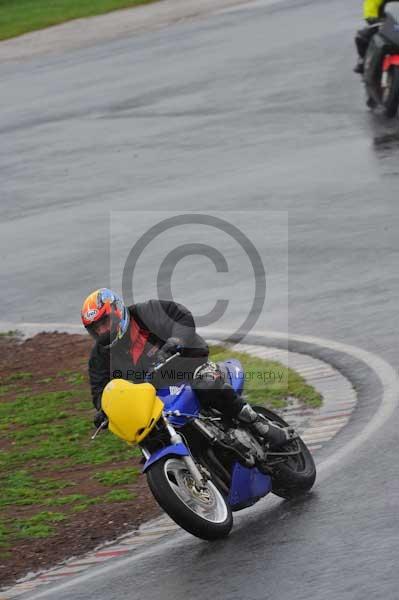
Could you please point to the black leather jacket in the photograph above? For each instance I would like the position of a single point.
(151, 324)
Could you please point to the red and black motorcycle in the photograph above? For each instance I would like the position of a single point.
(381, 68)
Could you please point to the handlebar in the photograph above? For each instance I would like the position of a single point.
(103, 425)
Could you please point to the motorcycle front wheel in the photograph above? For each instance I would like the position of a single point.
(203, 513)
(296, 474)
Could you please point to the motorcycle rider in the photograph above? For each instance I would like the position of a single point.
(130, 340)
(373, 13)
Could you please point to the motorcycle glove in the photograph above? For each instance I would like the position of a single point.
(170, 347)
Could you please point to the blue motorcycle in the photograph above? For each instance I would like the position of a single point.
(200, 465)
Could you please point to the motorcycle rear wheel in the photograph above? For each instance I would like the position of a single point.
(204, 514)
(390, 97)
(297, 474)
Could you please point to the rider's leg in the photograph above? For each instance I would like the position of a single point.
(275, 435)
(362, 40)
(212, 391)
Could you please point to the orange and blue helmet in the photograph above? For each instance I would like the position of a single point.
(105, 317)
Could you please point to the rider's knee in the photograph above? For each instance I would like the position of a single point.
(208, 377)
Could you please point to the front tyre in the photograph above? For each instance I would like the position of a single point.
(390, 94)
(296, 475)
(203, 513)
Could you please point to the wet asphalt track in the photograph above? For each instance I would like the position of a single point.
(253, 109)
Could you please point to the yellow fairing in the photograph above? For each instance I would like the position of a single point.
(132, 409)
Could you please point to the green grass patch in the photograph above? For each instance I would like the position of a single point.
(40, 525)
(21, 16)
(64, 500)
(12, 333)
(19, 488)
(119, 496)
(20, 376)
(72, 377)
(117, 476)
(269, 383)
(46, 380)
(4, 534)
(84, 505)
(4, 389)
(27, 409)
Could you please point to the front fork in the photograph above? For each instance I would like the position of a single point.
(175, 438)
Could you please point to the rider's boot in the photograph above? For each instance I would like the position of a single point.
(359, 67)
(274, 435)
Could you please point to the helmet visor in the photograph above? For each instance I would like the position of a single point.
(104, 330)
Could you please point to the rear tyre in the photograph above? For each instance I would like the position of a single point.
(297, 474)
(204, 514)
(390, 95)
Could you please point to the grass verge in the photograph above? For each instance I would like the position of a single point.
(21, 16)
(270, 383)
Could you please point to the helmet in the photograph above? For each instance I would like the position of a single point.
(105, 317)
